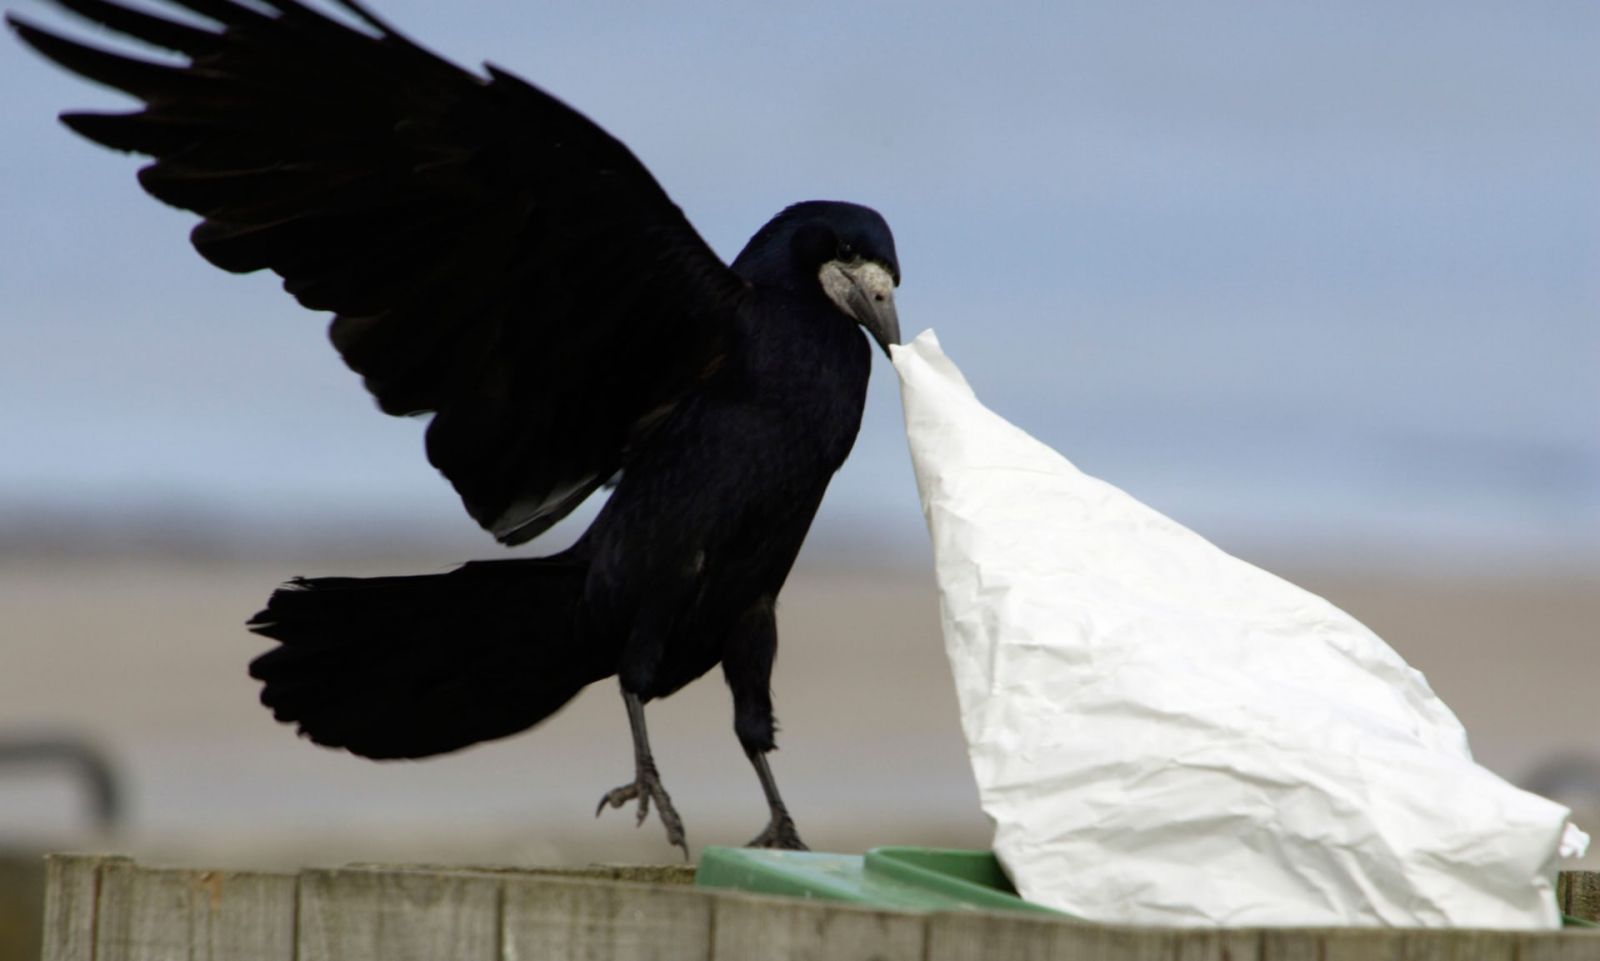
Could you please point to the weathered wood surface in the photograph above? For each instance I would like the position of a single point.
(22, 880)
(602, 920)
(753, 926)
(642, 873)
(110, 909)
(146, 914)
(71, 893)
(1578, 893)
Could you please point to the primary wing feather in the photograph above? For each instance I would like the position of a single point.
(491, 255)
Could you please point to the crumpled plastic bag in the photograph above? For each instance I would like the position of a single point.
(1164, 734)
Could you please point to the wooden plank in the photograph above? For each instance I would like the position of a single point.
(1221, 944)
(1578, 893)
(141, 914)
(958, 936)
(348, 915)
(561, 917)
(241, 916)
(1460, 945)
(71, 882)
(1364, 944)
(1569, 945)
(746, 926)
(638, 873)
(109, 909)
(1240, 944)
(955, 936)
(1387, 944)
(1118, 943)
(1004, 937)
(1291, 944)
(149, 915)
(22, 884)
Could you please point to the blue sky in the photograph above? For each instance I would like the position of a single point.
(1313, 276)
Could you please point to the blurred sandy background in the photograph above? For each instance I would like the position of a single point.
(146, 657)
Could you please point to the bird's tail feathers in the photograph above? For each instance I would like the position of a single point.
(404, 667)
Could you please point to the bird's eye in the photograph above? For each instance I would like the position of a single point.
(847, 252)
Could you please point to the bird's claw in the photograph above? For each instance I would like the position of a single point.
(618, 796)
(780, 833)
(646, 787)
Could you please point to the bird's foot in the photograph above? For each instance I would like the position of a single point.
(646, 787)
(780, 834)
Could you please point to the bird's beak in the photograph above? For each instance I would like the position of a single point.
(865, 291)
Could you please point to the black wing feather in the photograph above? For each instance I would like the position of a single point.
(177, 37)
(490, 254)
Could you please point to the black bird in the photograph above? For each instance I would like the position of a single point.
(494, 258)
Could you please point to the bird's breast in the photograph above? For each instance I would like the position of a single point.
(806, 366)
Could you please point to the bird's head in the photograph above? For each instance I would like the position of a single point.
(845, 249)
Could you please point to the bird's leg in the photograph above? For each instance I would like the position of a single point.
(646, 786)
(780, 831)
(747, 664)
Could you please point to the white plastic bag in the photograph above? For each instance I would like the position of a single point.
(1164, 734)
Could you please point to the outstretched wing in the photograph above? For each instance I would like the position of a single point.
(490, 254)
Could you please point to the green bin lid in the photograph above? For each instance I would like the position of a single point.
(903, 878)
